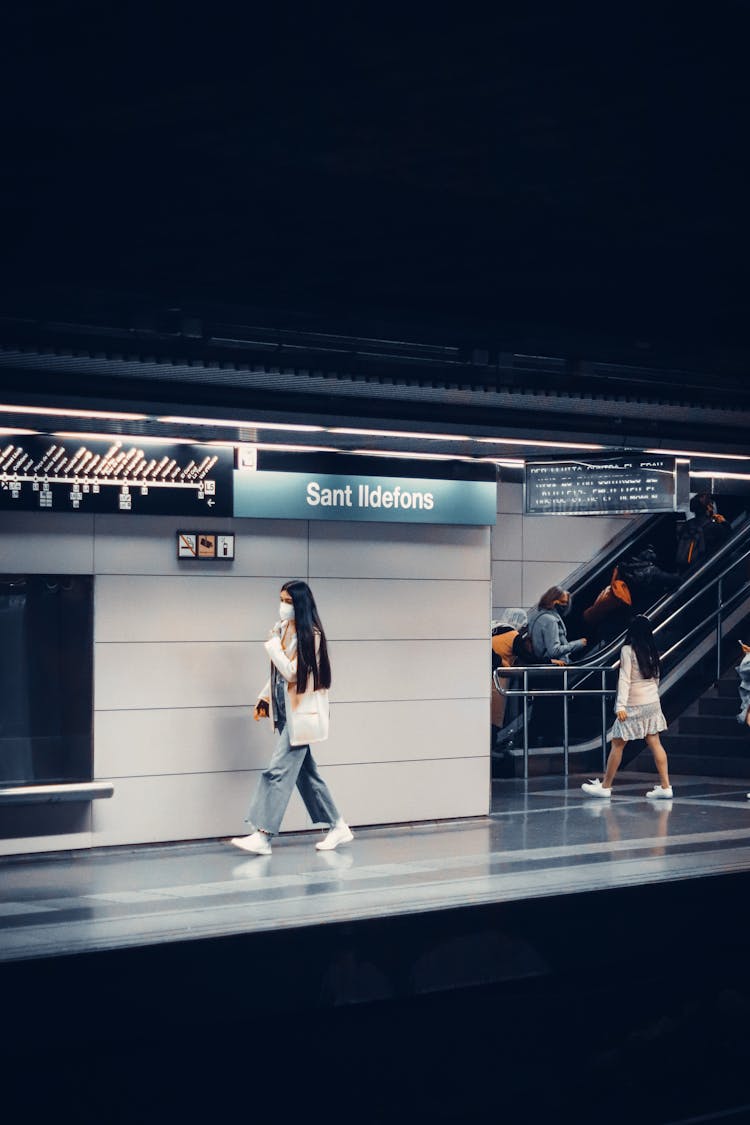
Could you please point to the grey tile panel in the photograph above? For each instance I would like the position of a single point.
(398, 551)
(47, 543)
(507, 538)
(160, 608)
(220, 739)
(397, 609)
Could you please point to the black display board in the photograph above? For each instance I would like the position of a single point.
(46, 678)
(49, 473)
(596, 486)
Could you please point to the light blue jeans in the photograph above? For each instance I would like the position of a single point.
(290, 766)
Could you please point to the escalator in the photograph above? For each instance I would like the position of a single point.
(696, 627)
(656, 531)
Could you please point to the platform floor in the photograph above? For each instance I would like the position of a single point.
(543, 838)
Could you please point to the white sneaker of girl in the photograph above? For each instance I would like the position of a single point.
(595, 789)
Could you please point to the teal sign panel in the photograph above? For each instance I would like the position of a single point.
(329, 496)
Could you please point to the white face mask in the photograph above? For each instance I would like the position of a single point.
(286, 611)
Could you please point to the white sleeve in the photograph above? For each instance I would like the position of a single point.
(287, 667)
(623, 682)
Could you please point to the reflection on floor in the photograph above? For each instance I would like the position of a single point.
(543, 838)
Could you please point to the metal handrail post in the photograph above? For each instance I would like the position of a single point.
(604, 720)
(525, 725)
(718, 628)
(565, 722)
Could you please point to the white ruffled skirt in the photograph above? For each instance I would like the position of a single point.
(643, 719)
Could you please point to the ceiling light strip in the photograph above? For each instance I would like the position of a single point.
(697, 453)
(534, 442)
(240, 423)
(65, 412)
(413, 434)
(708, 473)
(84, 435)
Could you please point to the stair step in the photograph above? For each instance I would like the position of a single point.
(725, 688)
(712, 746)
(718, 705)
(709, 725)
(696, 766)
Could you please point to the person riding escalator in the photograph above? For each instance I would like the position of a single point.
(637, 582)
(548, 637)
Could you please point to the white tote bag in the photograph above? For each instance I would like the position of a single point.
(309, 718)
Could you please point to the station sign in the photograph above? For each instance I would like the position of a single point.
(351, 497)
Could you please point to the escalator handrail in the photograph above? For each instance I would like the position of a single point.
(675, 596)
(709, 620)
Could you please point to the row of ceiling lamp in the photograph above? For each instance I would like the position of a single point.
(238, 423)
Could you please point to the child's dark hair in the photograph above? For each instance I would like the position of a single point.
(309, 633)
(640, 637)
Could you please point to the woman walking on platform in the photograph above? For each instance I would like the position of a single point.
(295, 697)
(638, 709)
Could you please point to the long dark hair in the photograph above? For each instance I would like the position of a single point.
(550, 597)
(640, 637)
(309, 627)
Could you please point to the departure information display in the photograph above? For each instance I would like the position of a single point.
(50, 473)
(622, 484)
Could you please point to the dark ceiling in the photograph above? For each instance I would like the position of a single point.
(531, 175)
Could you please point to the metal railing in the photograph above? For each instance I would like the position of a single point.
(526, 693)
(713, 620)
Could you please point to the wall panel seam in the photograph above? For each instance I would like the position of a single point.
(113, 777)
(234, 706)
(483, 637)
(279, 577)
(192, 573)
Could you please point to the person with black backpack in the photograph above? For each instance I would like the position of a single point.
(700, 537)
(645, 579)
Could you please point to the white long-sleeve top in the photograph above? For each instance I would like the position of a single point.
(306, 711)
(633, 690)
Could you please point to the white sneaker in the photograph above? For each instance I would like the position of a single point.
(339, 834)
(595, 789)
(658, 793)
(257, 843)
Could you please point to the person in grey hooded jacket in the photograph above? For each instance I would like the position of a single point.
(547, 632)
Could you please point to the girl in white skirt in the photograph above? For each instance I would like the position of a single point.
(639, 713)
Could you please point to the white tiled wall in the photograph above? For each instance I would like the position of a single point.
(178, 662)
